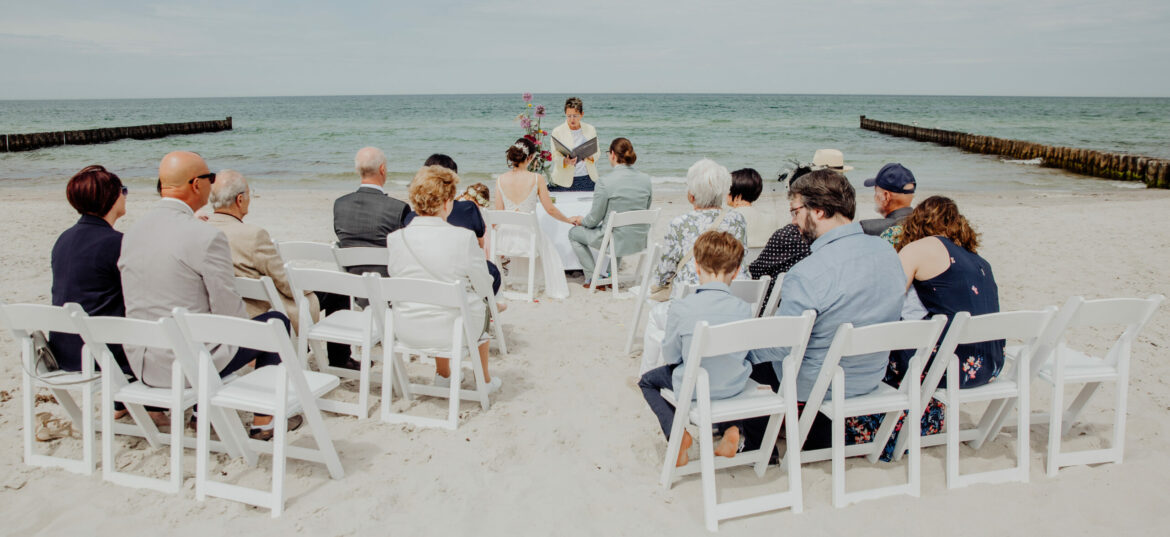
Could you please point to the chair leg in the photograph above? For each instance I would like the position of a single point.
(988, 421)
(792, 455)
(279, 440)
(176, 436)
(1023, 431)
(27, 415)
(532, 277)
(107, 427)
(364, 383)
(771, 433)
(838, 417)
(455, 381)
(707, 463)
(1078, 404)
(953, 429)
(1119, 412)
(1054, 427)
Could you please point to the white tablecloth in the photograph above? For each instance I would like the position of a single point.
(570, 204)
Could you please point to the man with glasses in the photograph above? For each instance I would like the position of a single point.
(849, 277)
(172, 259)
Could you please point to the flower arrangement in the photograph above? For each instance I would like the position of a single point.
(529, 120)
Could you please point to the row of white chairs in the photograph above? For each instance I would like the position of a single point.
(1042, 352)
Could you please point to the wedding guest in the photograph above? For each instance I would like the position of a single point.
(529, 188)
(785, 248)
(171, 259)
(623, 189)
(831, 159)
(573, 174)
(938, 253)
(465, 214)
(746, 187)
(893, 192)
(253, 253)
(84, 263)
(433, 249)
(362, 218)
(707, 187)
(850, 277)
(718, 256)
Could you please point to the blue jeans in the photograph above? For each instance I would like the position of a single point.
(581, 183)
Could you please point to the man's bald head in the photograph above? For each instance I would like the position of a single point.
(178, 176)
(370, 163)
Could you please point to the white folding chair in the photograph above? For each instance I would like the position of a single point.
(608, 247)
(1024, 326)
(464, 339)
(528, 222)
(348, 327)
(751, 254)
(885, 399)
(773, 297)
(23, 320)
(101, 332)
(1066, 365)
(754, 401)
(750, 291)
(361, 255)
(302, 253)
(261, 289)
(643, 299)
(279, 391)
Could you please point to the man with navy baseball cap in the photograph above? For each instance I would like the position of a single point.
(893, 190)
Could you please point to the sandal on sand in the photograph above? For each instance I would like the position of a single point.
(51, 428)
(266, 432)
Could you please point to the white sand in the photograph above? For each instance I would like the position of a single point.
(569, 446)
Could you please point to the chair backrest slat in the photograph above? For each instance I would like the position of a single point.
(416, 290)
(753, 334)
(512, 218)
(362, 255)
(297, 252)
(774, 297)
(25, 318)
(897, 335)
(632, 218)
(246, 333)
(328, 281)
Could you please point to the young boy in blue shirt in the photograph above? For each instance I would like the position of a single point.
(717, 259)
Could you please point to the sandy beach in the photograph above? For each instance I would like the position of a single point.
(569, 446)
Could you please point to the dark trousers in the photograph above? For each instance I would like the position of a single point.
(495, 272)
(338, 353)
(652, 382)
(820, 435)
(244, 356)
(581, 183)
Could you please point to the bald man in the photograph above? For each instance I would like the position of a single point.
(172, 259)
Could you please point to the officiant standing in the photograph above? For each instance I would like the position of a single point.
(571, 174)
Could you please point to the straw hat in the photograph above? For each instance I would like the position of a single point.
(829, 158)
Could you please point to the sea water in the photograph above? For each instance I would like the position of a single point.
(309, 142)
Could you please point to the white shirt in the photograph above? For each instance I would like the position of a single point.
(578, 139)
(375, 187)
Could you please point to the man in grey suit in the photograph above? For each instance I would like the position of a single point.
(362, 218)
(621, 190)
(171, 259)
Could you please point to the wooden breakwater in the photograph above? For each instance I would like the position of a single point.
(1150, 170)
(37, 140)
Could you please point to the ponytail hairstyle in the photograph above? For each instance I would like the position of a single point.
(623, 150)
(520, 151)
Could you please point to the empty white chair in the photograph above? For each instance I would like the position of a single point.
(261, 289)
(464, 339)
(349, 327)
(885, 399)
(361, 255)
(773, 298)
(608, 247)
(1024, 326)
(1067, 365)
(278, 391)
(643, 300)
(523, 220)
(101, 332)
(302, 253)
(750, 291)
(755, 401)
(23, 320)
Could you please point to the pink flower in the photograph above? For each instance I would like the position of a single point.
(525, 123)
(540, 110)
(527, 97)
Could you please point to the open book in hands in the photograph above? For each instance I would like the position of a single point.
(581, 152)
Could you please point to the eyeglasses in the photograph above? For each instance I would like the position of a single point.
(794, 210)
(210, 176)
(125, 191)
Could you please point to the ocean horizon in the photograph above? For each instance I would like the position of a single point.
(308, 142)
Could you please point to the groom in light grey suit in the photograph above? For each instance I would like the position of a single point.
(621, 190)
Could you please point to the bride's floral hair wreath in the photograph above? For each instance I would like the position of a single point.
(520, 151)
(521, 147)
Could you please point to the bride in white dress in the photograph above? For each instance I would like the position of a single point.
(519, 190)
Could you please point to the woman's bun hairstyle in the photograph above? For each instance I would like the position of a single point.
(623, 150)
(520, 151)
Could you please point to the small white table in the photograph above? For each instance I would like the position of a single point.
(570, 204)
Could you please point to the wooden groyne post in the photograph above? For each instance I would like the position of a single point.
(37, 140)
(1150, 170)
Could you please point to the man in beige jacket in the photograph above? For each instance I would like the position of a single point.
(253, 253)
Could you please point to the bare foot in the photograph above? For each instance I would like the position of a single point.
(729, 445)
(683, 459)
(119, 414)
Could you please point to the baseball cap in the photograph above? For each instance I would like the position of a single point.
(895, 178)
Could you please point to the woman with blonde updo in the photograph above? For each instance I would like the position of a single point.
(519, 190)
(432, 249)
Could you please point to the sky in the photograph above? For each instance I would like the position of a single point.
(51, 49)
